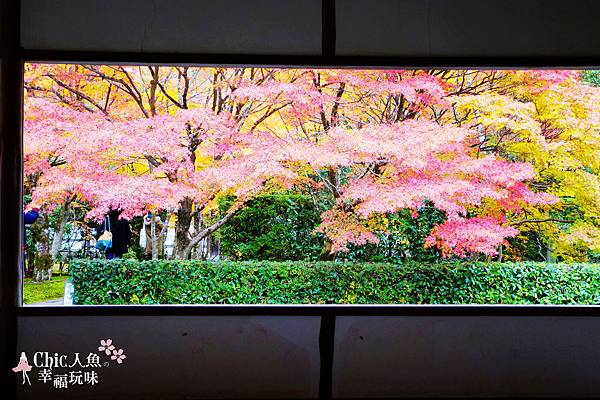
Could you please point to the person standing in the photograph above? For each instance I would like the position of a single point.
(29, 217)
(121, 234)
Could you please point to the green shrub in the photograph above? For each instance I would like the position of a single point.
(404, 240)
(591, 77)
(285, 231)
(287, 225)
(196, 282)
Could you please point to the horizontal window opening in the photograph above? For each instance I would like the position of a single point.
(193, 185)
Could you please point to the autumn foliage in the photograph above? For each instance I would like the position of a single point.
(502, 154)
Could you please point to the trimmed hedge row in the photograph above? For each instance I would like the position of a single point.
(262, 282)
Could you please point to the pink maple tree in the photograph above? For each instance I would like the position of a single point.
(378, 141)
(376, 161)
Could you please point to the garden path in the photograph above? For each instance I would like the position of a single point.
(54, 302)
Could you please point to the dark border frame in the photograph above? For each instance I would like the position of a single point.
(13, 59)
(308, 61)
(475, 310)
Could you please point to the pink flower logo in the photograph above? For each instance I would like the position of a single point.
(106, 346)
(118, 355)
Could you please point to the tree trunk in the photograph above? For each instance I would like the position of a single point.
(42, 270)
(206, 232)
(43, 267)
(333, 183)
(154, 237)
(199, 248)
(59, 230)
(184, 219)
(30, 263)
(549, 256)
(326, 253)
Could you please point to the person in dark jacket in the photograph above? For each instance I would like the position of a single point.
(29, 217)
(121, 234)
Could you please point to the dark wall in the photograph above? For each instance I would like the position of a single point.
(180, 357)
(174, 26)
(473, 28)
(450, 28)
(275, 356)
(467, 357)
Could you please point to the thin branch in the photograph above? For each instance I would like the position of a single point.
(539, 221)
(78, 93)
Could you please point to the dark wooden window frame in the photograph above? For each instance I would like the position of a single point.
(11, 99)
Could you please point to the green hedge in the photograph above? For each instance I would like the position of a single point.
(189, 282)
